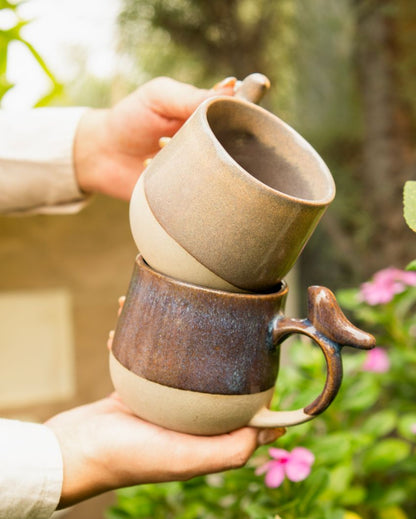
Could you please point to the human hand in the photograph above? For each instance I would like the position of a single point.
(104, 447)
(111, 145)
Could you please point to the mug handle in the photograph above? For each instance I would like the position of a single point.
(330, 329)
(252, 88)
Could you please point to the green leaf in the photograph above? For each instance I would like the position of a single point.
(411, 265)
(406, 423)
(257, 511)
(394, 494)
(361, 395)
(354, 495)
(4, 85)
(115, 513)
(340, 479)
(392, 512)
(385, 454)
(409, 203)
(381, 423)
(41, 62)
(333, 448)
(314, 485)
(5, 4)
(49, 96)
(348, 298)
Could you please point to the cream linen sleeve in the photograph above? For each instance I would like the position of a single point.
(36, 176)
(30, 470)
(36, 161)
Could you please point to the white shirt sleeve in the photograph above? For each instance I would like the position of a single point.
(36, 176)
(36, 161)
(31, 470)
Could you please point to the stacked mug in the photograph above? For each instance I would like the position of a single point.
(220, 216)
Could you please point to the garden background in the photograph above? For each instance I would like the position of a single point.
(343, 75)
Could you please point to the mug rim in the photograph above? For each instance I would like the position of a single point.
(281, 292)
(301, 141)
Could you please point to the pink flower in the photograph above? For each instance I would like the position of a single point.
(413, 428)
(385, 284)
(295, 465)
(377, 361)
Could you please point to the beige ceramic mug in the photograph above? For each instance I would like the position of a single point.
(231, 200)
(205, 361)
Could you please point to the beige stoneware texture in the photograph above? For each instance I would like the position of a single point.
(245, 227)
(162, 252)
(197, 413)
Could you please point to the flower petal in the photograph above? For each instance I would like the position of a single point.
(408, 277)
(263, 468)
(279, 454)
(303, 455)
(297, 470)
(386, 275)
(377, 361)
(275, 475)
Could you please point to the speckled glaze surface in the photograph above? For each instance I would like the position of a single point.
(239, 190)
(188, 337)
(184, 355)
(175, 261)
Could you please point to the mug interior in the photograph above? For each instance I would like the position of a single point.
(270, 150)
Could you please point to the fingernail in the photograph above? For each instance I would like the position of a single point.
(227, 82)
(163, 141)
(237, 85)
(267, 436)
(110, 340)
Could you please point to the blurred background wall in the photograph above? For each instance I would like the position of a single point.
(343, 74)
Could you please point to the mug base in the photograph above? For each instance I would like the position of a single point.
(185, 411)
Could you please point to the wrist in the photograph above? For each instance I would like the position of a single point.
(91, 145)
(84, 473)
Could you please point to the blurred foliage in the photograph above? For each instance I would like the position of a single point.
(343, 74)
(14, 34)
(85, 89)
(202, 42)
(364, 443)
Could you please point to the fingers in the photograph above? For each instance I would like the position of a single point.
(205, 455)
(173, 99)
(266, 436)
(110, 340)
(163, 141)
(225, 84)
(121, 301)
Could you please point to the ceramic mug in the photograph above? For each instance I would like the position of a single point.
(231, 200)
(205, 361)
